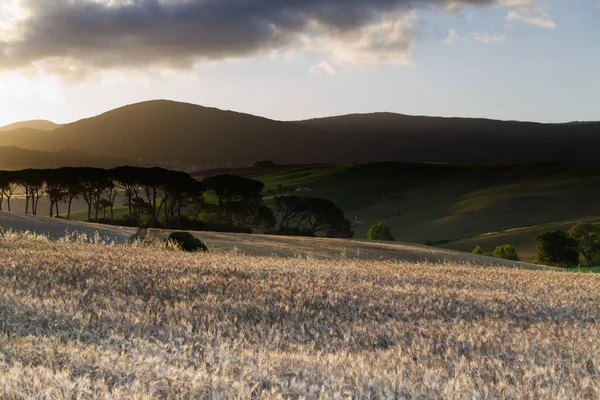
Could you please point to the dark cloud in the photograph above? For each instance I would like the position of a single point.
(77, 36)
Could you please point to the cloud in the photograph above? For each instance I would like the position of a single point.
(76, 38)
(324, 67)
(541, 21)
(480, 37)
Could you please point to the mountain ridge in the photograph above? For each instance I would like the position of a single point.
(189, 136)
(38, 124)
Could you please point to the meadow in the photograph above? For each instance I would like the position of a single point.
(87, 320)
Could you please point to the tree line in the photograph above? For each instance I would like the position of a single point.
(169, 198)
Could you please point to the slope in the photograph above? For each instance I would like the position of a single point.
(38, 124)
(182, 135)
(55, 228)
(165, 131)
(388, 136)
(443, 202)
(15, 158)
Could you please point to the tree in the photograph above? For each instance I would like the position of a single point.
(506, 252)
(92, 181)
(33, 183)
(73, 188)
(290, 212)
(587, 236)
(479, 250)
(323, 216)
(380, 231)
(265, 218)
(128, 178)
(111, 192)
(235, 194)
(56, 188)
(8, 185)
(152, 181)
(557, 248)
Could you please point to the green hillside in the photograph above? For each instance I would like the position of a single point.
(445, 202)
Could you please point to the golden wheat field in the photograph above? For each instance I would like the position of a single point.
(82, 321)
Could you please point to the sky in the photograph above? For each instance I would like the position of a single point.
(534, 60)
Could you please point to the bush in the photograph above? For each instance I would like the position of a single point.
(506, 252)
(187, 242)
(380, 231)
(479, 250)
(557, 248)
(587, 236)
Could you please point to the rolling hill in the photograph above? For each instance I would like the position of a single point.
(38, 124)
(178, 133)
(15, 158)
(189, 136)
(455, 206)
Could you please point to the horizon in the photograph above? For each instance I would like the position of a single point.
(511, 60)
(61, 123)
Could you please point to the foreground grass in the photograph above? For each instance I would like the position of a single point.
(88, 321)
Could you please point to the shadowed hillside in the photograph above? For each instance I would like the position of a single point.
(444, 202)
(387, 136)
(165, 131)
(14, 158)
(194, 137)
(38, 124)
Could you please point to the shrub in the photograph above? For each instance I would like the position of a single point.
(557, 248)
(380, 231)
(506, 252)
(587, 236)
(479, 250)
(187, 242)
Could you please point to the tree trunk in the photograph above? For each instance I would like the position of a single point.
(51, 208)
(56, 205)
(8, 203)
(69, 208)
(179, 216)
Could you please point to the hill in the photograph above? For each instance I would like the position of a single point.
(38, 124)
(179, 133)
(193, 137)
(82, 320)
(388, 136)
(55, 228)
(14, 158)
(439, 203)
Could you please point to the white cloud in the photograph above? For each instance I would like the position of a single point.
(526, 5)
(480, 37)
(324, 67)
(543, 20)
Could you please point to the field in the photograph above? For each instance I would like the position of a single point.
(457, 204)
(84, 320)
(524, 239)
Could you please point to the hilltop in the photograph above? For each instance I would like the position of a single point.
(195, 137)
(38, 124)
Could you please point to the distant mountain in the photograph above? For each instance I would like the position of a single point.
(165, 131)
(38, 124)
(195, 137)
(14, 158)
(397, 137)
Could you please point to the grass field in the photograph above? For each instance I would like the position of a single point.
(524, 239)
(89, 321)
(446, 202)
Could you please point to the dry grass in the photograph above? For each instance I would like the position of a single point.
(81, 320)
(326, 248)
